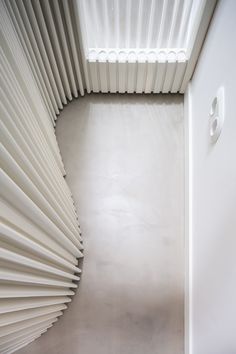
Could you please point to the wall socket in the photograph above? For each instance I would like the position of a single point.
(216, 116)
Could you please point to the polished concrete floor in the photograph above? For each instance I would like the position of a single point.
(124, 161)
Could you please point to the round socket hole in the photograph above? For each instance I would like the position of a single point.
(213, 106)
(214, 126)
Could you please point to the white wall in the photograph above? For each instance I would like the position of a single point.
(212, 229)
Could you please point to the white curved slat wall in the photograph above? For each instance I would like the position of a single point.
(40, 239)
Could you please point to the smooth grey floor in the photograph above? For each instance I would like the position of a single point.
(124, 161)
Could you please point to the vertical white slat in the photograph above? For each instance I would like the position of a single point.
(170, 72)
(117, 23)
(172, 28)
(184, 22)
(90, 7)
(162, 24)
(56, 46)
(151, 72)
(101, 35)
(141, 73)
(37, 55)
(132, 72)
(193, 18)
(105, 12)
(103, 71)
(151, 25)
(73, 45)
(112, 69)
(83, 8)
(65, 45)
(122, 24)
(161, 72)
(139, 23)
(180, 70)
(48, 47)
(93, 71)
(24, 38)
(128, 23)
(122, 72)
(41, 45)
(82, 37)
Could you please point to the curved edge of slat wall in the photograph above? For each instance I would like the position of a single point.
(40, 238)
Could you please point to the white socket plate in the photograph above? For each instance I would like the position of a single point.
(216, 116)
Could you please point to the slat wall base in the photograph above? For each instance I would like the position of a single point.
(136, 71)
